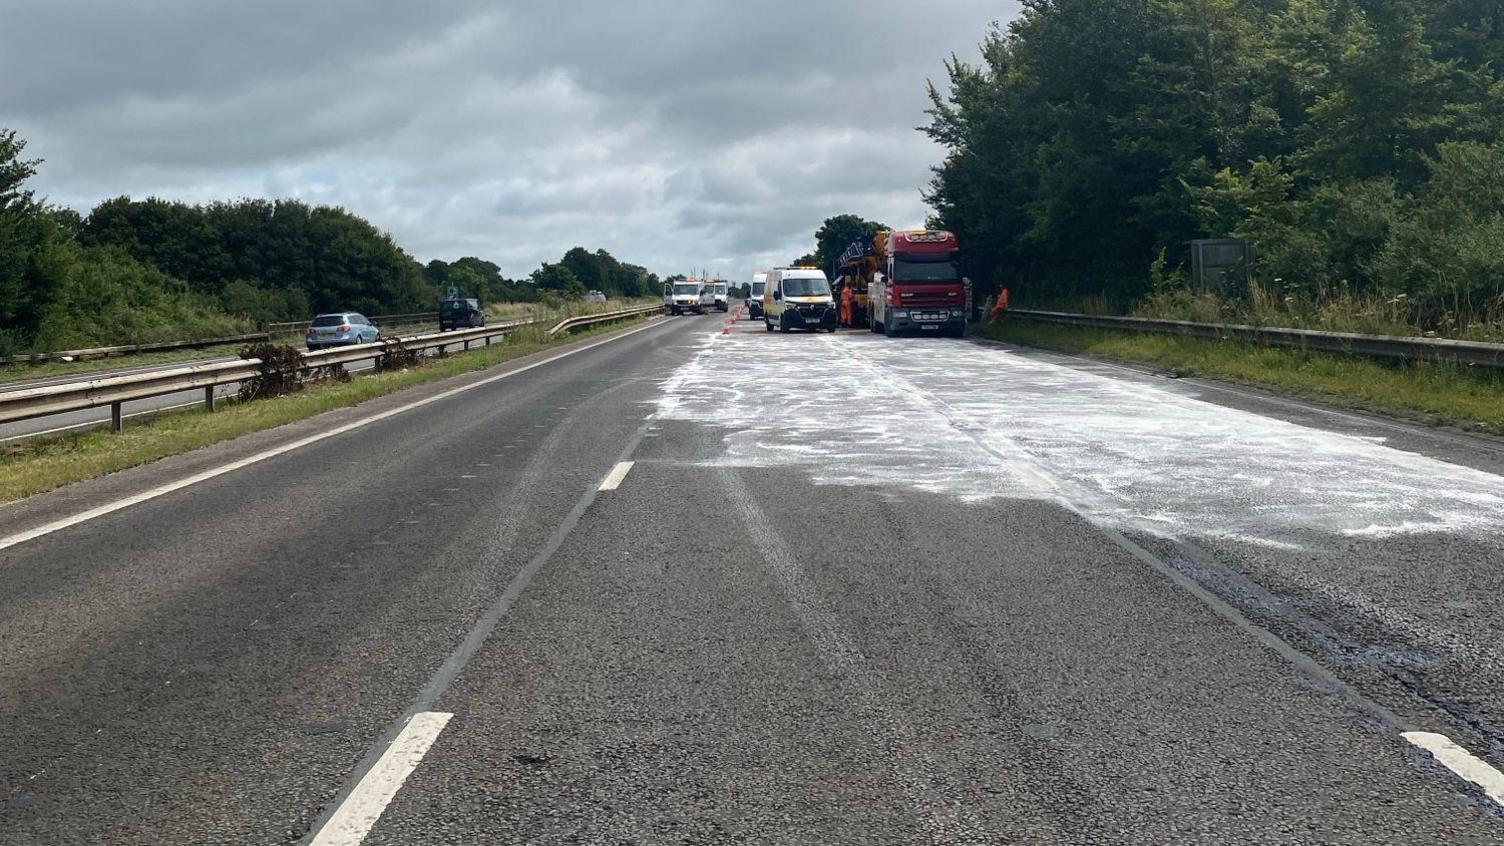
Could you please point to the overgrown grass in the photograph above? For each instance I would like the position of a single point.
(1466, 396)
(34, 465)
(1339, 309)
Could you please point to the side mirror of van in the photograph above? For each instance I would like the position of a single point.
(777, 294)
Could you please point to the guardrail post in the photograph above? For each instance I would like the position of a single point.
(467, 343)
(209, 398)
(116, 423)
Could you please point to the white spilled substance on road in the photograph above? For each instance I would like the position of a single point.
(974, 422)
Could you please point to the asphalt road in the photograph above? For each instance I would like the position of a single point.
(848, 590)
(96, 417)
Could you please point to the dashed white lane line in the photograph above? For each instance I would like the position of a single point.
(1460, 761)
(153, 493)
(352, 821)
(614, 478)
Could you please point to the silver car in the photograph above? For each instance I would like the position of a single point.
(341, 328)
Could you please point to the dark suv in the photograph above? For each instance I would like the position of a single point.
(460, 313)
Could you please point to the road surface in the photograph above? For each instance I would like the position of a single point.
(680, 586)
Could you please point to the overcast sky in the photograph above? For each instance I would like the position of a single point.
(677, 135)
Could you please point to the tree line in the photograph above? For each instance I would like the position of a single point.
(1356, 143)
(140, 270)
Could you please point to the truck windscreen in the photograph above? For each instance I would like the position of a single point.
(682, 290)
(806, 288)
(924, 271)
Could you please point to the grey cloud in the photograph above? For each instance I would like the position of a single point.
(679, 134)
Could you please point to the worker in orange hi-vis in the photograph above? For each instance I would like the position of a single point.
(848, 306)
(1000, 307)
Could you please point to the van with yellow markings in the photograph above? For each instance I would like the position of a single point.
(798, 298)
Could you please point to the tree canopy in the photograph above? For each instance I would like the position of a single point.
(1097, 135)
(156, 269)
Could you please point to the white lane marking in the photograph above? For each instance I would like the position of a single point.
(153, 493)
(353, 819)
(1460, 761)
(613, 479)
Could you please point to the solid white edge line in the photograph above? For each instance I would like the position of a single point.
(353, 820)
(153, 493)
(1460, 761)
(617, 474)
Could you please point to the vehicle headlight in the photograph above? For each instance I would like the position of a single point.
(956, 312)
(901, 313)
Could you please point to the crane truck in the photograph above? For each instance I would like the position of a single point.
(904, 281)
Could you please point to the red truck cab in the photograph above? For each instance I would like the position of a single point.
(919, 288)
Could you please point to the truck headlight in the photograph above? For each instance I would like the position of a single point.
(901, 313)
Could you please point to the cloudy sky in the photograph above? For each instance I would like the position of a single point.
(674, 134)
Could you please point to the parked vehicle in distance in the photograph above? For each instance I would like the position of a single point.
(722, 296)
(684, 297)
(754, 299)
(798, 298)
(341, 328)
(595, 297)
(460, 312)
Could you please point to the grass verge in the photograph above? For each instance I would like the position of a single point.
(1469, 397)
(34, 465)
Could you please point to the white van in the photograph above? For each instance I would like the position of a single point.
(798, 298)
(722, 296)
(754, 299)
(684, 297)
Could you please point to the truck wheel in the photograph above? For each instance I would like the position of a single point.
(767, 324)
(889, 330)
(783, 325)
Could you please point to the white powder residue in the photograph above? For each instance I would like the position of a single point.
(974, 422)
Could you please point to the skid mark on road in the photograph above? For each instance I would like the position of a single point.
(945, 819)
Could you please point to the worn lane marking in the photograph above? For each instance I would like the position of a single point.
(614, 478)
(153, 493)
(353, 820)
(1465, 764)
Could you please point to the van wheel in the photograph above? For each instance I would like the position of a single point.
(766, 324)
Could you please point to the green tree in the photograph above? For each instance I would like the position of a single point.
(836, 234)
(587, 268)
(1095, 136)
(558, 279)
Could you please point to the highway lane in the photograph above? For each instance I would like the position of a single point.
(96, 417)
(769, 629)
